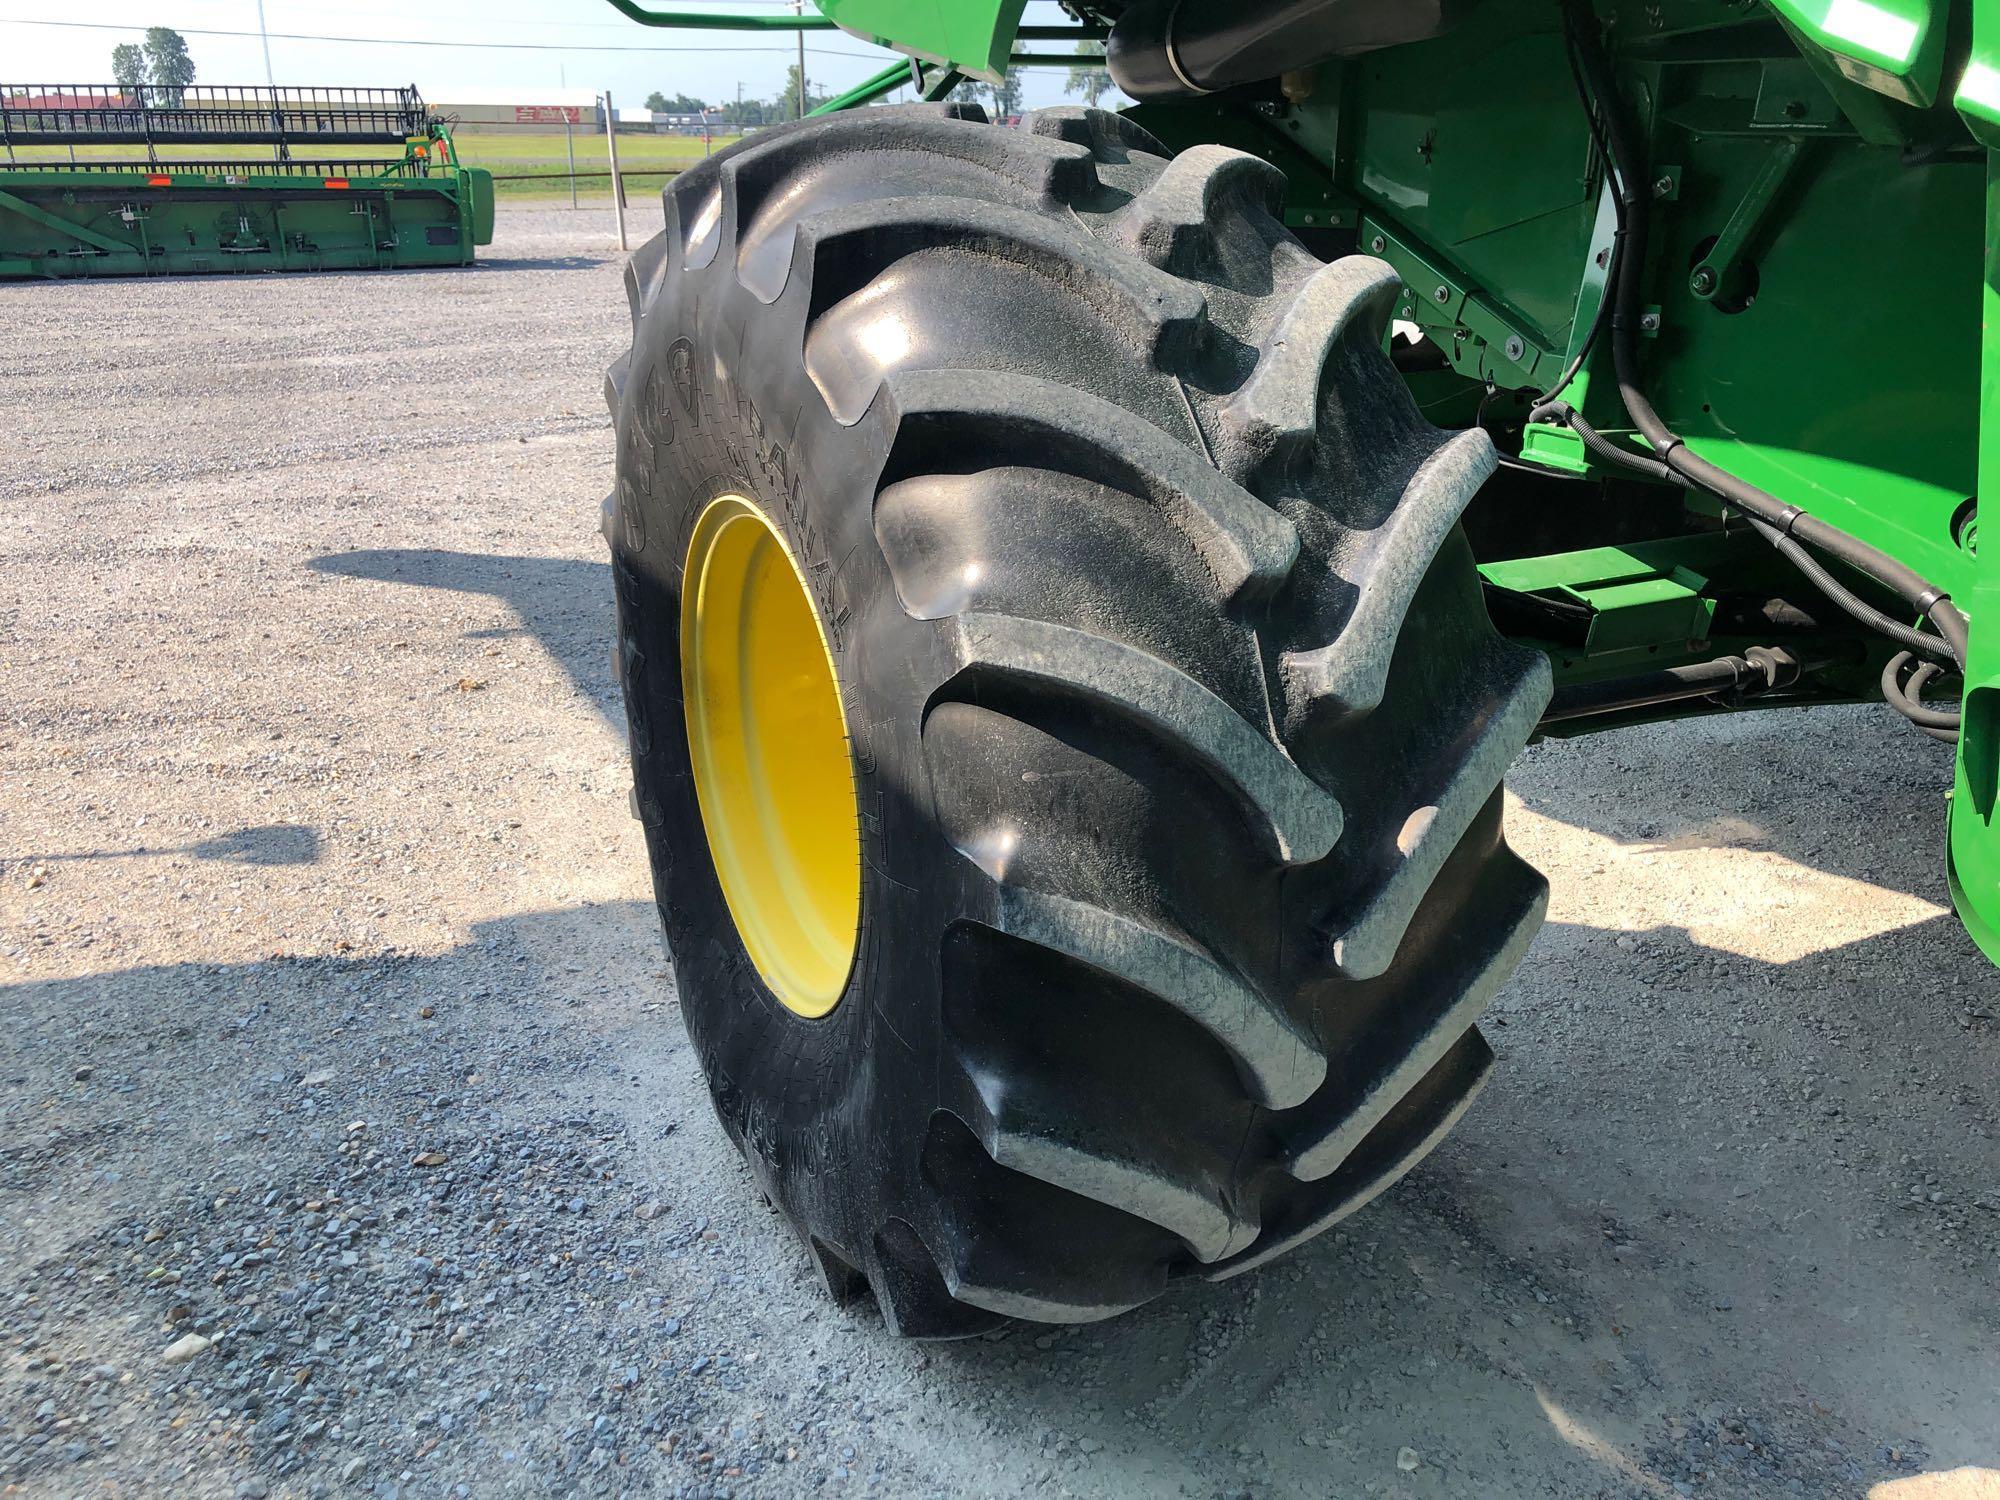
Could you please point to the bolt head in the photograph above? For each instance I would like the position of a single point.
(1442, 294)
(1703, 281)
(1378, 244)
(1516, 347)
(1662, 187)
(1650, 322)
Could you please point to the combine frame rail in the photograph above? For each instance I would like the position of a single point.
(85, 215)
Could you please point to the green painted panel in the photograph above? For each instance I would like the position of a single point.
(62, 222)
(1473, 145)
(1644, 597)
(1848, 384)
(971, 35)
(1975, 804)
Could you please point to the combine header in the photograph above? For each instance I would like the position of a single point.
(80, 213)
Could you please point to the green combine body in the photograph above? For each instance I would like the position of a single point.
(169, 210)
(1818, 277)
(1199, 507)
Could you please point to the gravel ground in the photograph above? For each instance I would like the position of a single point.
(350, 1144)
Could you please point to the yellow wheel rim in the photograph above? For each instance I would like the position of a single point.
(768, 738)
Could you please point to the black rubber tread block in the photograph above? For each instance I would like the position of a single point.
(1109, 135)
(1406, 1135)
(1284, 810)
(912, 1294)
(1275, 415)
(1281, 1063)
(692, 198)
(1464, 703)
(1014, 1245)
(1017, 290)
(766, 189)
(944, 415)
(1383, 1036)
(643, 269)
(1174, 224)
(1384, 565)
(1073, 1076)
(956, 544)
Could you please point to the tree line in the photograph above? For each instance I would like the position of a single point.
(740, 114)
(1087, 77)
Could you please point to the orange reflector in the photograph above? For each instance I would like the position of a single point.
(335, 182)
(158, 179)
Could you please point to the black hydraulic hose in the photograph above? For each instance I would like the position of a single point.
(1906, 694)
(1758, 670)
(1915, 640)
(1798, 556)
(1615, 254)
(1563, 413)
(1788, 521)
(1815, 572)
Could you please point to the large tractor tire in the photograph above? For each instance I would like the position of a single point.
(1065, 722)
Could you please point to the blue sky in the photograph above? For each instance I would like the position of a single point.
(595, 47)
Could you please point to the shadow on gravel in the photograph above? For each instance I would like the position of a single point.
(269, 845)
(563, 603)
(1507, 1310)
(543, 262)
(1849, 791)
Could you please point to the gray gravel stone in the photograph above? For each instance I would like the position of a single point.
(254, 532)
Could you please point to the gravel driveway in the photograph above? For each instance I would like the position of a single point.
(349, 1141)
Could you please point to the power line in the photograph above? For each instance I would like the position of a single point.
(396, 41)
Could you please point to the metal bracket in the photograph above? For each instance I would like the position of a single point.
(1724, 261)
(1640, 596)
(88, 236)
(1482, 340)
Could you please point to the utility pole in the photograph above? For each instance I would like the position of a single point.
(569, 146)
(280, 151)
(265, 37)
(617, 186)
(800, 7)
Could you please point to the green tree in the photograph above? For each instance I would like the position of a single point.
(998, 100)
(680, 104)
(1006, 95)
(786, 105)
(168, 65)
(128, 66)
(741, 113)
(1090, 79)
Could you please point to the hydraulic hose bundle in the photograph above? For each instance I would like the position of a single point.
(1789, 529)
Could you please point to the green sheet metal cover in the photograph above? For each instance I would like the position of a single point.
(1895, 47)
(972, 35)
(1975, 803)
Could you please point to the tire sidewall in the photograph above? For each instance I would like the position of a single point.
(829, 1111)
